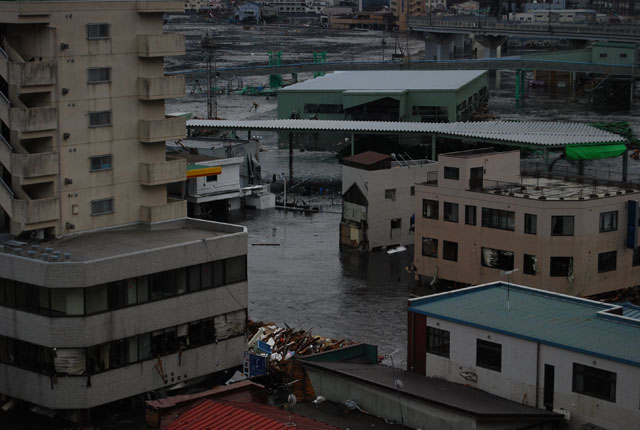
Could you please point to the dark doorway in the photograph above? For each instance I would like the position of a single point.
(476, 178)
(549, 382)
(385, 109)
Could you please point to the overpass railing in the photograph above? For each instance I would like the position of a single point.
(618, 30)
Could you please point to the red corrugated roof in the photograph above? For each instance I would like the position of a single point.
(366, 158)
(221, 415)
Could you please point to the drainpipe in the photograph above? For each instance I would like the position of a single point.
(537, 373)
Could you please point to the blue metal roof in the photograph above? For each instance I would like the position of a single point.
(630, 310)
(555, 319)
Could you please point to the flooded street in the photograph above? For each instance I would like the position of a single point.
(297, 274)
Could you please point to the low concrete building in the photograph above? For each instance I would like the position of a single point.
(421, 96)
(483, 216)
(102, 316)
(551, 351)
(378, 202)
(249, 12)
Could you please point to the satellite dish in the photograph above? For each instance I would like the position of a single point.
(399, 384)
(292, 400)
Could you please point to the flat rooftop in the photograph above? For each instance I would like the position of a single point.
(119, 242)
(448, 394)
(559, 320)
(396, 80)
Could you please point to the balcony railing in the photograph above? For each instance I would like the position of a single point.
(34, 119)
(172, 170)
(36, 211)
(34, 165)
(165, 87)
(173, 209)
(162, 129)
(160, 45)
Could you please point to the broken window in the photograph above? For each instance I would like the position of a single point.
(530, 264)
(452, 173)
(560, 266)
(438, 342)
(449, 250)
(594, 382)
(430, 209)
(530, 223)
(390, 194)
(430, 247)
(450, 212)
(607, 261)
(489, 355)
(497, 258)
(608, 221)
(562, 225)
(470, 215)
(497, 218)
(396, 223)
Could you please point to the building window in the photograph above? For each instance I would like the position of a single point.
(438, 342)
(607, 261)
(412, 191)
(396, 223)
(450, 212)
(636, 256)
(390, 194)
(430, 247)
(323, 108)
(449, 250)
(452, 173)
(562, 226)
(497, 218)
(623, 55)
(593, 382)
(489, 355)
(530, 223)
(100, 162)
(102, 206)
(98, 31)
(603, 55)
(560, 266)
(470, 215)
(608, 221)
(100, 119)
(99, 74)
(497, 258)
(431, 113)
(430, 209)
(530, 264)
(212, 178)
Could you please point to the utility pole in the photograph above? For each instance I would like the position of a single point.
(210, 45)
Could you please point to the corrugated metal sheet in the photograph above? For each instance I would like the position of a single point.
(209, 415)
(630, 310)
(563, 321)
(543, 133)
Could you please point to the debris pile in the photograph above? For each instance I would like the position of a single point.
(281, 344)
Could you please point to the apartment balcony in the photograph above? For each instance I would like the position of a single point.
(173, 209)
(159, 6)
(30, 166)
(172, 170)
(166, 87)
(162, 129)
(26, 73)
(35, 211)
(34, 119)
(160, 45)
(5, 109)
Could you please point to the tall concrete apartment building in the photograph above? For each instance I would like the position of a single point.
(403, 9)
(107, 289)
(483, 218)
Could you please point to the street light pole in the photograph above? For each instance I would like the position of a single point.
(284, 178)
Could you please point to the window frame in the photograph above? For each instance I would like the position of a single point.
(474, 211)
(451, 247)
(434, 247)
(503, 251)
(551, 267)
(488, 347)
(112, 210)
(562, 226)
(613, 222)
(530, 223)
(98, 157)
(93, 115)
(431, 204)
(530, 268)
(489, 215)
(451, 173)
(582, 370)
(103, 81)
(607, 261)
(390, 194)
(450, 212)
(100, 26)
(438, 342)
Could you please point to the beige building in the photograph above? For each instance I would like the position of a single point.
(82, 107)
(107, 289)
(483, 217)
(403, 9)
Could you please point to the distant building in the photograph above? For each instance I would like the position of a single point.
(249, 12)
(403, 9)
(568, 16)
(484, 216)
(466, 8)
(421, 96)
(378, 201)
(372, 5)
(434, 6)
(544, 5)
(573, 356)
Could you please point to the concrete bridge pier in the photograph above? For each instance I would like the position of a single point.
(438, 46)
(491, 45)
(459, 48)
